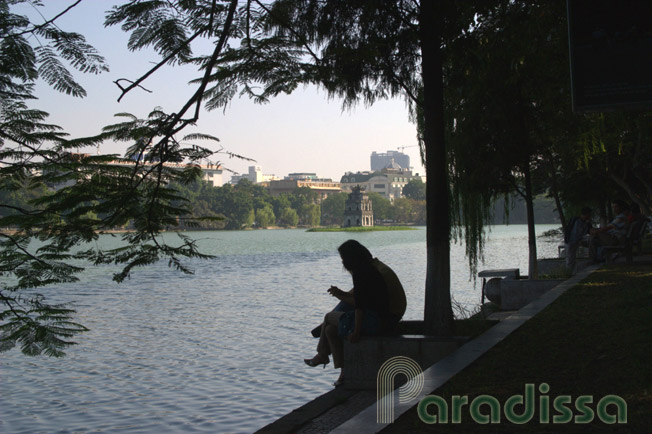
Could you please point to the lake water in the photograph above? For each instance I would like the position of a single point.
(221, 350)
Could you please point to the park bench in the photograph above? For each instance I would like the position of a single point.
(634, 238)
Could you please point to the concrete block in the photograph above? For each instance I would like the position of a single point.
(363, 360)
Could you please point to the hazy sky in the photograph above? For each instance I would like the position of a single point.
(302, 132)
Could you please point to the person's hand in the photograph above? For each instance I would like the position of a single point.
(354, 337)
(335, 292)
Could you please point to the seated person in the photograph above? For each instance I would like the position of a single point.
(613, 234)
(635, 213)
(375, 305)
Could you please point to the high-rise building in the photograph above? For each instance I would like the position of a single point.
(390, 160)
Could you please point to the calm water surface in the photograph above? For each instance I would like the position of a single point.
(221, 350)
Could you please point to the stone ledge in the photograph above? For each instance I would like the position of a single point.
(294, 420)
(363, 360)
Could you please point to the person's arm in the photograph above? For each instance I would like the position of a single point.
(346, 297)
(357, 330)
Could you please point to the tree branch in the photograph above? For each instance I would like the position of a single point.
(7, 301)
(40, 26)
(156, 67)
(294, 32)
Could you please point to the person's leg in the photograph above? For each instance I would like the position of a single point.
(342, 306)
(594, 243)
(324, 348)
(331, 337)
(607, 239)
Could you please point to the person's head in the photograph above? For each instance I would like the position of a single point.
(635, 208)
(619, 206)
(585, 214)
(354, 255)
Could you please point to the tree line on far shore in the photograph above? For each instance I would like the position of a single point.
(248, 205)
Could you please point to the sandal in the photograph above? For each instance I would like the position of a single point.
(317, 360)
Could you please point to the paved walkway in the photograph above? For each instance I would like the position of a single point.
(365, 422)
(350, 411)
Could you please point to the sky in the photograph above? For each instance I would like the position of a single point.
(301, 132)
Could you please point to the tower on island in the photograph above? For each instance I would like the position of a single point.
(358, 211)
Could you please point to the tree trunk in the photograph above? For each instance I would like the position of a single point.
(555, 191)
(438, 313)
(560, 209)
(531, 234)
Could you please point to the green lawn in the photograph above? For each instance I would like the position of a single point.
(594, 340)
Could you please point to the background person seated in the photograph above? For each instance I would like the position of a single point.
(613, 234)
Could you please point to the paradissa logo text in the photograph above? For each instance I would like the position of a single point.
(519, 409)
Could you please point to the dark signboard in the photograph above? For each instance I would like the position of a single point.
(611, 54)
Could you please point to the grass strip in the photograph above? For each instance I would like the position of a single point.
(595, 340)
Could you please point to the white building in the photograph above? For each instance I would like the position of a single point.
(212, 173)
(387, 182)
(255, 175)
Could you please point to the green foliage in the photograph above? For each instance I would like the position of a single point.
(265, 216)
(612, 161)
(381, 206)
(309, 214)
(55, 200)
(507, 103)
(415, 189)
(302, 196)
(333, 209)
(409, 210)
(288, 217)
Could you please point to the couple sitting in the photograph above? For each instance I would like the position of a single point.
(375, 305)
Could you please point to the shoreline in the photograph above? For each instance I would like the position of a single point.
(467, 368)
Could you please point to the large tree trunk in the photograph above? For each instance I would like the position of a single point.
(552, 174)
(531, 234)
(560, 208)
(438, 314)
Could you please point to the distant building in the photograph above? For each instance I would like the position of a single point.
(211, 173)
(358, 209)
(301, 176)
(323, 187)
(387, 182)
(389, 159)
(255, 175)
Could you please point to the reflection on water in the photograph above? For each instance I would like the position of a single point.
(221, 350)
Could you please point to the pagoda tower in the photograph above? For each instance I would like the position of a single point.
(358, 210)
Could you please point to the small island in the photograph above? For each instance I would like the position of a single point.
(363, 229)
(359, 216)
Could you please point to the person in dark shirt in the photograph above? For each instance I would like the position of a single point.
(576, 229)
(370, 298)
